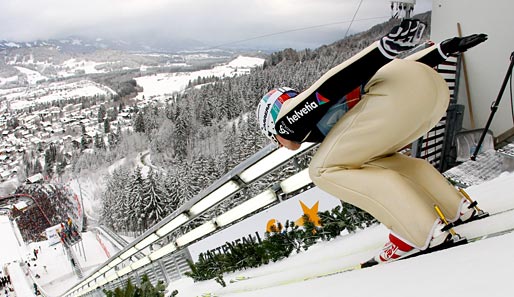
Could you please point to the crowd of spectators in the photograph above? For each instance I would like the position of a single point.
(52, 204)
(32, 224)
(5, 283)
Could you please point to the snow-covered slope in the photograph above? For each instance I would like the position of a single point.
(476, 269)
(482, 268)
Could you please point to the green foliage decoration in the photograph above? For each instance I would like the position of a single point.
(278, 244)
(146, 289)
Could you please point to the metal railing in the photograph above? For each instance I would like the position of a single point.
(174, 264)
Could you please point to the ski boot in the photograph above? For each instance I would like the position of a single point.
(443, 237)
(469, 211)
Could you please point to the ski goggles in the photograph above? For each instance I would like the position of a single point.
(273, 138)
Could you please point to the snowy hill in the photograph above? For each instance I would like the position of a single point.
(476, 269)
(163, 85)
(25, 63)
(50, 63)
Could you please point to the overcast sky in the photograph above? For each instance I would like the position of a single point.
(293, 23)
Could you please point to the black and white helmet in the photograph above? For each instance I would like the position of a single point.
(269, 108)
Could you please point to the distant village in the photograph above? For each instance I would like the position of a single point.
(26, 128)
(61, 126)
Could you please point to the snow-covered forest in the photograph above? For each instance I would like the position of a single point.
(199, 135)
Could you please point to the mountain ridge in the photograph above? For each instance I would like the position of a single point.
(77, 44)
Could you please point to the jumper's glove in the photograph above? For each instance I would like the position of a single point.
(403, 37)
(461, 44)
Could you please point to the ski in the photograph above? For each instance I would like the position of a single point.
(442, 247)
(478, 216)
(238, 279)
(468, 230)
(359, 266)
(446, 245)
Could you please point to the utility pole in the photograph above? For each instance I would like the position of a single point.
(84, 222)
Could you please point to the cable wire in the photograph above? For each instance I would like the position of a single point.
(354, 15)
(295, 30)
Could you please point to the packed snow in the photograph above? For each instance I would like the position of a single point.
(33, 77)
(476, 269)
(6, 80)
(161, 86)
(79, 65)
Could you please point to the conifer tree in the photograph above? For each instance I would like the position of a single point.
(230, 152)
(135, 192)
(113, 140)
(177, 192)
(181, 134)
(145, 290)
(61, 166)
(109, 212)
(107, 126)
(83, 143)
(101, 113)
(139, 123)
(154, 199)
(38, 168)
(99, 141)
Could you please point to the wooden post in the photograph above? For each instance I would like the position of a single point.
(464, 69)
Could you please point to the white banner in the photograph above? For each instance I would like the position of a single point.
(309, 202)
(51, 234)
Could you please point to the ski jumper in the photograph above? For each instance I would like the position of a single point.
(357, 160)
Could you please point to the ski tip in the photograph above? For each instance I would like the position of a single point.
(239, 278)
(482, 214)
